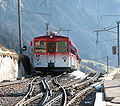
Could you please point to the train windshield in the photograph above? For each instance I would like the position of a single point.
(40, 47)
(51, 47)
(61, 47)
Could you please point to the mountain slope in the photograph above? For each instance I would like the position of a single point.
(89, 66)
(65, 14)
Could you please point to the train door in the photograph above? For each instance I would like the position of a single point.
(51, 54)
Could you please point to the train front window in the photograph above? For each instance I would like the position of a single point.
(51, 47)
(40, 47)
(61, 47)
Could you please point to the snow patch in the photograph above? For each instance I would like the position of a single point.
(78, 74)
(7, 52)
(98, 100)
(9, 67)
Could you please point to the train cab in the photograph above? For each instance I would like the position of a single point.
(55, 53)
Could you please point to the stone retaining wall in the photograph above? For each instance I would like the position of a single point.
(10, 66)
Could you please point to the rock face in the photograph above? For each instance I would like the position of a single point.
(9, 68)
(112, 88)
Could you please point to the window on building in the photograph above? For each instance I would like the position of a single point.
(61, 46)
(40, 47)
(51, 47)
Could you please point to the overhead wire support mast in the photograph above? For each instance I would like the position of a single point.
(33, 12)
(102, 30)
(47, 28)
(20, 27)
(118, 22)
(107, 59)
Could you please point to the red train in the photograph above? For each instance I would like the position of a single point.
(55, 53)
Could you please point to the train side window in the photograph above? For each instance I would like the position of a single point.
(51, 47)
(72, 50)
(61, 47)
(77, 56)
(40, 47)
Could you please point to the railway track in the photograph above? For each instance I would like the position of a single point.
(36, 98)
(50, 91)
(12, 92)
(29, 93)
(61, 98)
(83, 89)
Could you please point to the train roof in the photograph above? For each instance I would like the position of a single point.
(48, 36)
(54, 37)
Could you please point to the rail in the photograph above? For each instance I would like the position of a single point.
(79, 94)
(73, 82)
(89, 81)
(64, 100)
(46, 94)
(32, 99)
(29, 93)
(10, 84)
(62, 95)
(86, 90)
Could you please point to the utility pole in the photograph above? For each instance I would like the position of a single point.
(118, 42)
(19, 25)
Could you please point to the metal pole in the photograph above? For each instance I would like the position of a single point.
(107, 65)
(47, 24)
(97, 37)
(19, 25)
(118, 42)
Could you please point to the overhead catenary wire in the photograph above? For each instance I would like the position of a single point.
(95, 7)
(104, 29)
(33, 12)
(107, 40)
(99, 18)
(110, 29)
(111, 15)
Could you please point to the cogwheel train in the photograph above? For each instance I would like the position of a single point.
(55, 53)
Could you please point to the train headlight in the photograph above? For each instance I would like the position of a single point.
(51, 36)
